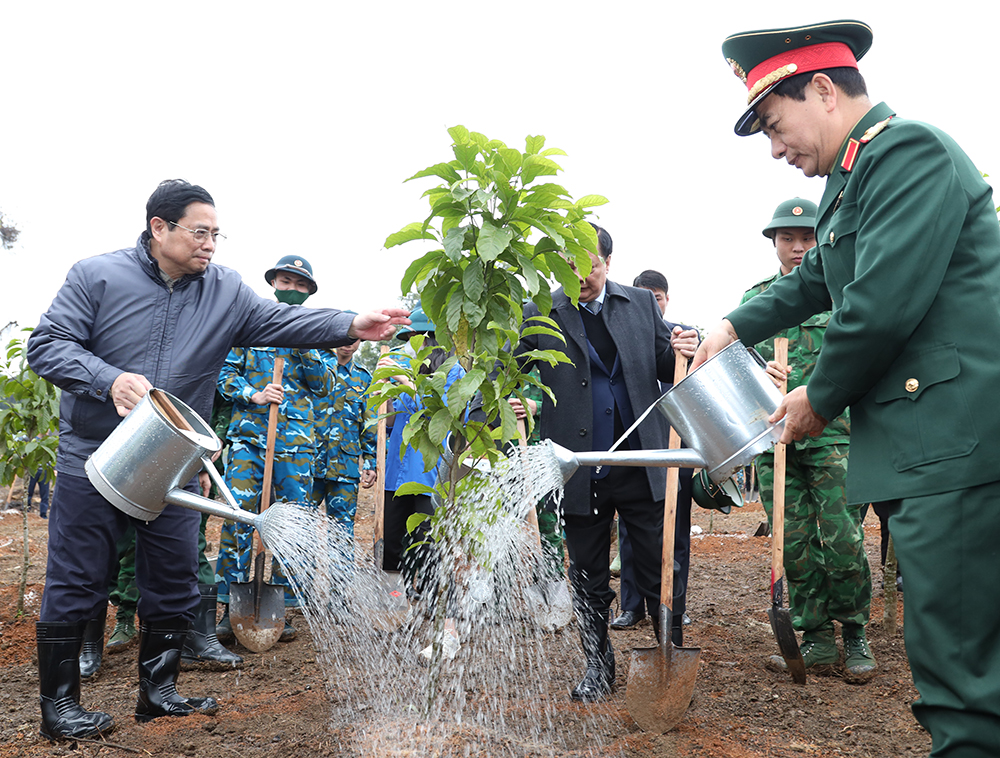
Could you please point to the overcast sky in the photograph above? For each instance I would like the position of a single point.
(303, 120)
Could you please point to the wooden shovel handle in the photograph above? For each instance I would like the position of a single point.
(778, 506)
(272, 433)
(380, 444)
(670, 509)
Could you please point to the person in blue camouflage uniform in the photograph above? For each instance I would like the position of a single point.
(345, 448)
(828, 574)
(245, 379)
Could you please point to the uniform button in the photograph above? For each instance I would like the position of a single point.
(912, 385)
(583, 432)
(100, 392)
(584, 382)
(607, 411)
(831, 238)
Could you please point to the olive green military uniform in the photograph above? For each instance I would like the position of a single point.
(908, 258)
(828, 574)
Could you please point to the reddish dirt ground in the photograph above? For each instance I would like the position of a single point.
(276, 706)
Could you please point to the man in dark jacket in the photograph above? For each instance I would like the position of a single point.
(620, 349)
(158, 314)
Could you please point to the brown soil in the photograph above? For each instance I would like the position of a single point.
(276, 705)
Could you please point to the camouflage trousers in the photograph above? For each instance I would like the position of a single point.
(341, 500)
(825, 562)
(244, 477)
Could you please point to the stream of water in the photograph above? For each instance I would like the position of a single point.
(501, 694)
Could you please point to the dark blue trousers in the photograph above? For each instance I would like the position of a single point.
(631, 599)
(83, 531)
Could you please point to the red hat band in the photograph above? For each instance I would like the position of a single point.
(798, 61)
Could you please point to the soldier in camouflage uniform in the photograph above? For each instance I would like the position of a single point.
(245, 379)
(828, 575)
(345, 449)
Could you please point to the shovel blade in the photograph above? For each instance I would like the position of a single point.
(549, 604)
(781, 625)
(257, 614)
(660, 686)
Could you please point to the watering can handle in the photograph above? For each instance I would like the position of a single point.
(213, 474)
(757, 357)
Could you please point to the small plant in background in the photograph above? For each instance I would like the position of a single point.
(29, 427)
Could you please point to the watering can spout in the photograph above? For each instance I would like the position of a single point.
(186, 499)
(569, 461)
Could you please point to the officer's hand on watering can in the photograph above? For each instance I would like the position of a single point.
(272, 393)
(719, 338)
(800, 418)
(127, 390)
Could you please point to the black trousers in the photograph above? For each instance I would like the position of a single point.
(84, 529)
(624, 490)
(631, 600)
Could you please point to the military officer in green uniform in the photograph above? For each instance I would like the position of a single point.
(828, 575)
(908, 259)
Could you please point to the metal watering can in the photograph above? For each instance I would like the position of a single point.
(721, 409)
(145, 462)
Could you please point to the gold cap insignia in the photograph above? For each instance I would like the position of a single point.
(738, 70)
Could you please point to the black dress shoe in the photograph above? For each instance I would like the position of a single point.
(627, 620)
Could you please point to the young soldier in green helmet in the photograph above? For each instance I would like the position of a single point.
(908, 261)
(828, 575)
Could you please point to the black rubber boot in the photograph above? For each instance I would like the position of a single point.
(202, 648)
(159, 662)
(600, 677)
(92, 651)
(224, 629)
(59, 683)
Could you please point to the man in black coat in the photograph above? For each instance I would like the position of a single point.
(620, 350)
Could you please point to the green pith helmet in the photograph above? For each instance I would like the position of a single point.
(796, 213)
(764, 58)
(293, 264)
(716, 497)
(419, 324)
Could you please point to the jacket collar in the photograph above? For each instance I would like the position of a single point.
(151, 266)
(848, 156)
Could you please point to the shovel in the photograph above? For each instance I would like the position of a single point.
(548, 600)
(389, 604)
(256, 608)
(781, 619)
(661, 679)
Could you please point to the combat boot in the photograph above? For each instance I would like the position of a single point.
(123, 636)
(224, 629)
(202, 648)
(59, 683)
(159, 663)
(599, 679)
(92, 652)
(819, 651)
(859, 663)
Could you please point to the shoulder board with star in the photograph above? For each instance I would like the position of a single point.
(874, 131)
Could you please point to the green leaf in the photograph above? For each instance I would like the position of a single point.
(466, 155)
(590, 201)
(460, 134)
(454, 241)
(408, 233)
(443, 170)
(472, 280)
(492, 241)
(462, 390)
(439, 426)
(534, 144)
(552, 151)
